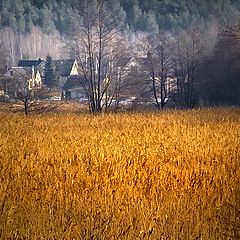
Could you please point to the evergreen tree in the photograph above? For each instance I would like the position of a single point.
(18, 8)
(46, 19)
(143, 15)
(31, 16)
(28, 22)
(49, 73)
(11, 20)
(38, 3)
(21, 24)
(148, 23)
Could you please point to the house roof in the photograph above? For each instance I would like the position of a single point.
(64, 67)
(18, 74)
(29, 63)
(74, 81)
(124, 61)
(21, 71)
(141, 61)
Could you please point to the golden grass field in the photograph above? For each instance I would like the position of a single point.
(169, 175)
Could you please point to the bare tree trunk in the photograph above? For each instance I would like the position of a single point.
(25, 107)
(152, 73)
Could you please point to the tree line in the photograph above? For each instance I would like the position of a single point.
(137, 15)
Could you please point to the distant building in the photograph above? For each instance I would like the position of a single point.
(64, 69)
(31, 73)
(38, 64)
(32, 76)
(17, 78)
(75, 88)
(136, 79)
(34, 65)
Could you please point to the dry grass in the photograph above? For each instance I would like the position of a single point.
(172, 175)
(48, 106)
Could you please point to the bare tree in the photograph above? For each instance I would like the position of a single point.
(4, 61)
(98, 44)
(20, 86)
(8, 40)
(37, 44)
(160, 67)
(189, 54)
(232, 31)
(24, 94)
(32, 45)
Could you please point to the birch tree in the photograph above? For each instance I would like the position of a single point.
(4, 61)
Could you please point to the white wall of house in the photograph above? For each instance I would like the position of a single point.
(77, 93)
(171, 84)
(38, 79)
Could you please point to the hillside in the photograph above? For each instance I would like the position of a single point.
(142, 15)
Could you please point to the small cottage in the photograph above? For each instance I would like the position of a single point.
(75, 88)
(64, 69)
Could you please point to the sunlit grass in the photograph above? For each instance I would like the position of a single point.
(170, 175)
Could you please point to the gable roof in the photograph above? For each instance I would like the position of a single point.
(20, 71)
(143, 61)
(140, 61)
(122, 62)
(29, 63)
(74, 81)
(64, 67)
